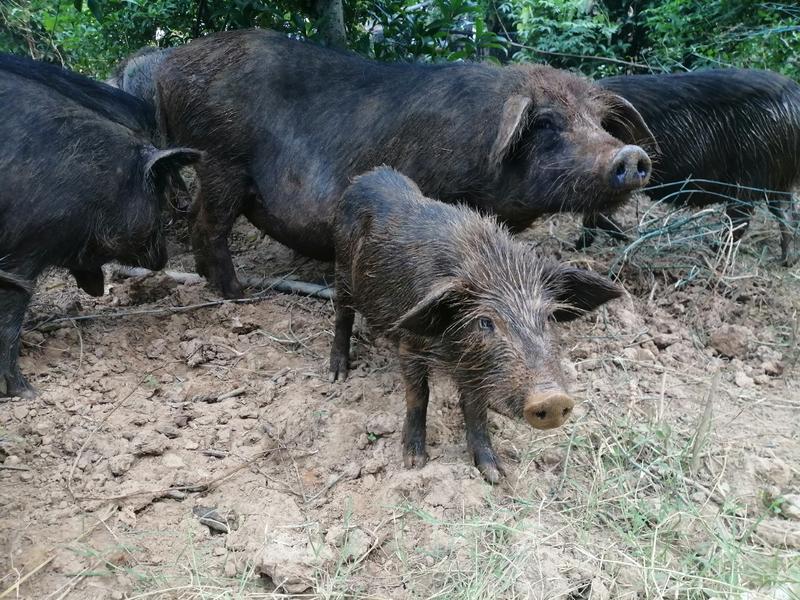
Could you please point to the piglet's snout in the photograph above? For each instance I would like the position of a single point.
(548, 410)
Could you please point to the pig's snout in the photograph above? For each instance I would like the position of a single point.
(548, 410)
(630, 169)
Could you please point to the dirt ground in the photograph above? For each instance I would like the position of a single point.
(181, 447)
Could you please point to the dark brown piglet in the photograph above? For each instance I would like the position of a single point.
(457, 294)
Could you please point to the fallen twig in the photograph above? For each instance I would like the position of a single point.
(52, 324)
(13, 468)
(325, 488)
(215, 453)
(279, 284)
(231, 394)
(265, 284)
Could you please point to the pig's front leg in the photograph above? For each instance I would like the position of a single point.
(415, 375)
(478, 442)
(13, 303)
(343, 330)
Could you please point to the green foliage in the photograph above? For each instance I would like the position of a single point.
(596, 37)
(572, 27)
(90, 36)
(744, 33)
(69, 32)
(659, 35)
(431, 30)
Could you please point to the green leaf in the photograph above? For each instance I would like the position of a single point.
(460, 55)
(78, 5)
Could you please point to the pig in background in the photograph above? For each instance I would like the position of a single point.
(457, 294)
(286, 125)
(736, 126)
(136, 73)
(80, 185)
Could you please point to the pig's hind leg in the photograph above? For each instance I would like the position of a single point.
(415, 375)
(224, 190)
(13, 302)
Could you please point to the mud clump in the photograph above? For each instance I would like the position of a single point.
(732, 341)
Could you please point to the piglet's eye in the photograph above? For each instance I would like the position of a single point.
(546, 122)
(485, 324)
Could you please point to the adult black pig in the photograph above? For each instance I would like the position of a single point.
(80, 185)
(736, 126)
(456, 293)
(286, 124)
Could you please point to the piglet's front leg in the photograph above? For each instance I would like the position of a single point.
(478, 442)
(340, 349)
(415, 375)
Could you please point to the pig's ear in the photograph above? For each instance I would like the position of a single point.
(577, 291)
(625, 123)
(160, 164)
(516, 111)
(435, 312)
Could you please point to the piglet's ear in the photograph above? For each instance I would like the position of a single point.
(625, 123)
(515, 116)
(437, 311)
(577, 291)
(160, 164)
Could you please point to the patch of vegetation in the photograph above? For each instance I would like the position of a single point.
(596, 37)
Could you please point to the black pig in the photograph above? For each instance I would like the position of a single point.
(286, 124)
(136, 73)
(736, 126)
(456, 293)
(80, 185)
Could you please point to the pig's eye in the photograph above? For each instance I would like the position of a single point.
(485, 324)
(546, 122)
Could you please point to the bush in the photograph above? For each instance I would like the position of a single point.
(668, 35)
(596, 37)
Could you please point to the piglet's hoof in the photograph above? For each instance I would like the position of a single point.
(489, 465)
(414, 458)
(414, 454)
(492, 473)
(339, 367)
